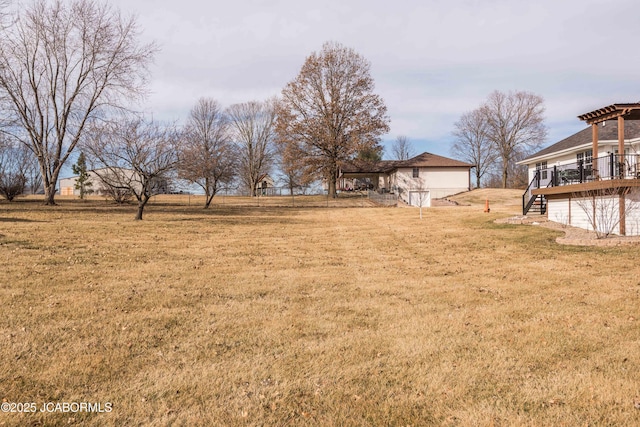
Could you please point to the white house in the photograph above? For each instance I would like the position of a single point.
(265, 186)
(591, 179)
(68, 185)
(104, 180)
(416, 181)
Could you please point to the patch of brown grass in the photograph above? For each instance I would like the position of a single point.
(247, 315)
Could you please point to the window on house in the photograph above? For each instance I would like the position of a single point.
(542, 167)
(416, 172)
(586, 157)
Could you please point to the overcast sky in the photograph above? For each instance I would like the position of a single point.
(431, 60)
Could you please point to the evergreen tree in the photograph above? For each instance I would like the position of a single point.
(82, 182)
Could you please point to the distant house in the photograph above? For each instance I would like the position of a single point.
(68, 185)
(598, 165)
(265, 186)
(416, 181)
(117, 177)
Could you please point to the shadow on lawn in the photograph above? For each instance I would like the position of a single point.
(157, 211)
(18, 220)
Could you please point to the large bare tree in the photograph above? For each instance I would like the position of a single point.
(252, 128)
(402, 148)
(472, 143)
(330, 111)
(62, 65)
(514, 124)
(134, 156)
(208, 158)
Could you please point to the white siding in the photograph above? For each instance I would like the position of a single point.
(420, 198)
(558, 211)
(579, 217)
(440, 182)
(633, 218)
(67, 185)
(443, 182)
(606, 210)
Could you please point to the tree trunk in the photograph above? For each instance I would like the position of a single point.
(141, 204)
(333, 172)
(209, 198)
(505, 172)
(254, 190)
(49, 194)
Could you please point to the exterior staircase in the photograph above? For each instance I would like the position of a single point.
(531, 202)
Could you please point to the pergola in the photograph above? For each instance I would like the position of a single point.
(621, 112)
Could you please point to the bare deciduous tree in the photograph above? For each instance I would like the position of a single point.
(14, 162)
(63, 64)
(514, 123)
(208, 158)
(252, 128)
(421, 193)
(402, 148)
(330, 111)
(472, 144)
(133, 156)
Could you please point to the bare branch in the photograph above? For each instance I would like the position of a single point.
(472, 143)
(514, 124)
(62, 66)
(208, 158)
(135, 156)
(252, 128)
(402, 148)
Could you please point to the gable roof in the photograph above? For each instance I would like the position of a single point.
(607, 131)
(424, 160)
(428, 160)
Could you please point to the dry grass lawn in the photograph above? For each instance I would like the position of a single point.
(250, 315)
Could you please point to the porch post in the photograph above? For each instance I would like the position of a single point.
(622, 200)
(594, 150)
(622, 159)
(622, 207)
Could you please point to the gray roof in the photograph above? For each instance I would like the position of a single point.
(609, 132)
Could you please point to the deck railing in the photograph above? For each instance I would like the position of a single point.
(611, 166)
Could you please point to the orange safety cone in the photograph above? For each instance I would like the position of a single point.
(486, 206)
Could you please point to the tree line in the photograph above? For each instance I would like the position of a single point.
(72, 72)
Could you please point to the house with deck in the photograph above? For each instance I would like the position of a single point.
(416, 181)
(591, 179)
